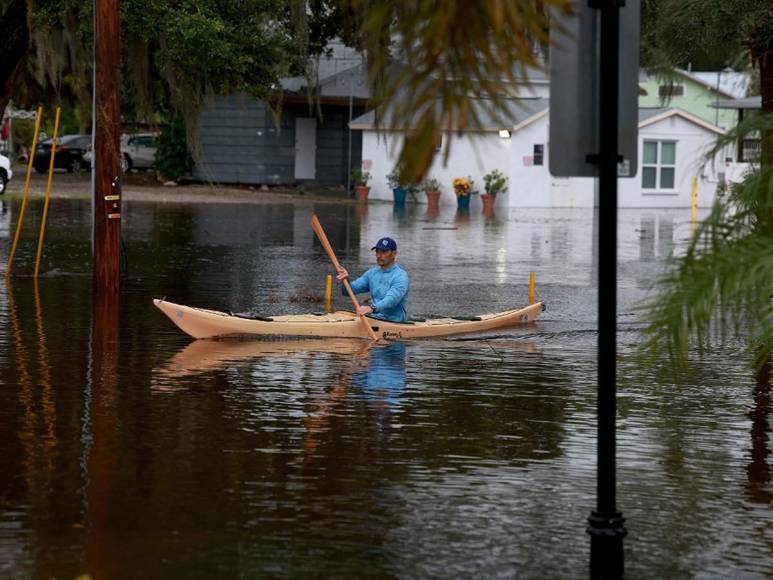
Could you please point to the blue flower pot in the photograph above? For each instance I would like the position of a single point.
(463, 202)
(399, 193)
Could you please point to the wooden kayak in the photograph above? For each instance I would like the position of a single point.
(202, 323)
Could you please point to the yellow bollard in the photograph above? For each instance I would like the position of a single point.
(531, 287)
(30, 157)
(329, 293)
(48, 193)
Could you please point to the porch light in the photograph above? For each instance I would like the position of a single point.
(504, 133)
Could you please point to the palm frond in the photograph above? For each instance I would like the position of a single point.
(429, 61)
(723, 286)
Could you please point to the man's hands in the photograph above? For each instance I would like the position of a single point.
(364, 310)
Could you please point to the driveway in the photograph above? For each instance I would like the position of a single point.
(144, 186)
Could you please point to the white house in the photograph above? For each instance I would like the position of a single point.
(672, 149)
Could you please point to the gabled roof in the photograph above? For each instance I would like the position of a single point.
(701, 80)
(519, 113)
(704, 83)
(651, 115)
(352, 81)
(731, 82)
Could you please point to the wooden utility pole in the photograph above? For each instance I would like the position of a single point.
(106, 240)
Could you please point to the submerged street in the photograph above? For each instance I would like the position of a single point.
(137, 452)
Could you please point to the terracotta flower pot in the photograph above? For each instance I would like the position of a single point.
(433, 200)
(362, 192)
(488, 203)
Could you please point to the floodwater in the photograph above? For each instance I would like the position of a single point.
(131, 451)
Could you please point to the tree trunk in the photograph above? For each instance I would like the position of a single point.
(14, 45)
(764, 57)
(763, 54)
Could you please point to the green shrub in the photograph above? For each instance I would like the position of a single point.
(173, 160)
(431, 184)
(360, 177)
(495, 182)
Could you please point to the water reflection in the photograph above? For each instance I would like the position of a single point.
(380, 382)
(656, 232)
(5, 219)
(432, 213)
(203, 356)
(38, 420)
(100, 433)
(462, 217)
(647, 239)
(665, 236)
(758, 470)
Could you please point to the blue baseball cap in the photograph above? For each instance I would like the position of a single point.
(385, 244)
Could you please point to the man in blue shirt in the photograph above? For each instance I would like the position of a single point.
(387, 283)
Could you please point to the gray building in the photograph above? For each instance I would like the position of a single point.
(242, 142)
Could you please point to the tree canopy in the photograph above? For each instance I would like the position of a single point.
(174, 53)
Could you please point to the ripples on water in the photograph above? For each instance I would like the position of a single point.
(147, 454)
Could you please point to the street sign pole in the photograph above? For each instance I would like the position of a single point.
(606, 524)
(594, 70)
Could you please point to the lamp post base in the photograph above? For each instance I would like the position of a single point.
(606, 545)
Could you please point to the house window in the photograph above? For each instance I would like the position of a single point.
(750, 150)
(539, 154)
(658, 165)
(439, 142)
(667, 91)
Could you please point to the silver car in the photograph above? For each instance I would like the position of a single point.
(6, 173)
(138, 151)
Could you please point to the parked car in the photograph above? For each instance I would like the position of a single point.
(138, 151)
(6, 173)
(69, 153)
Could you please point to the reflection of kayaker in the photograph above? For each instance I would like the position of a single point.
(382, 382)
(376, 375)
(383, 378)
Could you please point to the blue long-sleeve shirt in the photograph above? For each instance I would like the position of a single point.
(388, 291)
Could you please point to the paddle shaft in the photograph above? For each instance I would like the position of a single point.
(317, 227)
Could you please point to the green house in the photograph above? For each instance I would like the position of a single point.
(689, 92)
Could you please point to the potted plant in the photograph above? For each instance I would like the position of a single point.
(494, 182)
(360, 180)
(431, 188)
(398, 187)
(464, 188)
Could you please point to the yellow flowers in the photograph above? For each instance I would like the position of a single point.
(462, 186)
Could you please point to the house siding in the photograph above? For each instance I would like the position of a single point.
(532, 185)
(697, 99)
(240, 143)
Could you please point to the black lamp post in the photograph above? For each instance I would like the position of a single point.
(606, 524)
